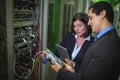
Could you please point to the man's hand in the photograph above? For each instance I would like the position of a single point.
(56, 66)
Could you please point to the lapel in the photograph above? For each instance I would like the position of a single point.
(91, 49)
(88, 56)
(84, 47)
(82, 51)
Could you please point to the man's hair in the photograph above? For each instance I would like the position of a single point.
(102, 5)
(83, 17)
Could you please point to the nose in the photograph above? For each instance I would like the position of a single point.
(89, 22)
(76, 28)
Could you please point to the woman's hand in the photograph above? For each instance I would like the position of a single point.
(69, 62)
(43, 54)
(68, 67)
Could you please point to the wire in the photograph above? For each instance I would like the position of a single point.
(29, 71)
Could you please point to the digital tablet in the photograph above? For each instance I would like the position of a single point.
(62, 51)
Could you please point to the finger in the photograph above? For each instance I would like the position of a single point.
(64, 64)
(67, 60)
(44, 52)
(42, 56)
(53, 60)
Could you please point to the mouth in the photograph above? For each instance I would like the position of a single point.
(91, 26)
(78, 33)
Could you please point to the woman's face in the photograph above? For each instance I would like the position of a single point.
(79, 28)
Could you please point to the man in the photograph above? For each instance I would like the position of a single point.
(102, 59)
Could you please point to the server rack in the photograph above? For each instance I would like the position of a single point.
(26, 39)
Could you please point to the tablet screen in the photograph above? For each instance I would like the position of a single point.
(62, 51)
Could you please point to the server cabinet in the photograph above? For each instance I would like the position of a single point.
(3, 42)
(26, 39)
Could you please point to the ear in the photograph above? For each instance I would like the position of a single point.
(103, 13)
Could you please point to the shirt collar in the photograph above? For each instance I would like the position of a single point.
(87, 38)
(104, 31)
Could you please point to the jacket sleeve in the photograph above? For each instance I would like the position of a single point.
(66, 75)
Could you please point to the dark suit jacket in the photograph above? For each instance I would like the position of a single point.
(69, 43)
(101, 62)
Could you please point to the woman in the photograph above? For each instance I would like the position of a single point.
(77, 41)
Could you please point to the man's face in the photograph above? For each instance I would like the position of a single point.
(94, 21)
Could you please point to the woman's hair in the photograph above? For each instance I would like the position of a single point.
(83, 18)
